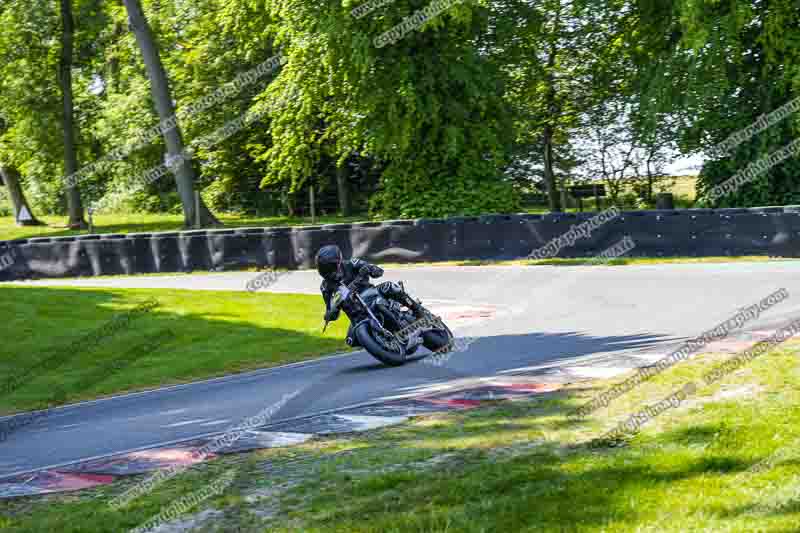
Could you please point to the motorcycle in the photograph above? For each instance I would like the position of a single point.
(386, 329)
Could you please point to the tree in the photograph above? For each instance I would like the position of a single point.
(74, 206)
(343, 189)
(159, 85)
(551, 104)
(653, 149)
(429, 106)
(610, 146)
(528, 43)
(22, 211)
(719, 67)
(31, 140)
(10, 177)
(561, 59)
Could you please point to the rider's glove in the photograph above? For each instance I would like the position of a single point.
(363, 274)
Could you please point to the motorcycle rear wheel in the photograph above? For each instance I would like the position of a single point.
(436, 340)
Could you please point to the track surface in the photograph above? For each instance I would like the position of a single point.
(598, 319)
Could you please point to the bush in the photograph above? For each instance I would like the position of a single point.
(776, 186)
(422, 192)
(216, 195)
(144, 202)
(453, 197)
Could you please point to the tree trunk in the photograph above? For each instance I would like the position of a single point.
(113, 64)
(10, 176)
(342, 173)
(312, 202)
(552, 111)
(549, 176)
(74, 206)
(160, 90)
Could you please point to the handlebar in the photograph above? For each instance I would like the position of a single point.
(363, 275)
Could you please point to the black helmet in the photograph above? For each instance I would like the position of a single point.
(329, 261)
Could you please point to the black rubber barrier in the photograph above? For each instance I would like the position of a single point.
(195, 250)
(278, 245)
(769, 231)
(166, 252)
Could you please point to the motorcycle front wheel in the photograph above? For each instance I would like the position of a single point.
(377, 349)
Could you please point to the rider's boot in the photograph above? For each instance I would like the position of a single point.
(415, 306)
(395, 291)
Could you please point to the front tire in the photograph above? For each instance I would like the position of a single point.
(376, 349)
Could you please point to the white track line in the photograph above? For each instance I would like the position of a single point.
(185, 423)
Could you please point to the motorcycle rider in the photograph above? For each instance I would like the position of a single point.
(334, 270)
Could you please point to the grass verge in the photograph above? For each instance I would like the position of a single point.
(509, 466)
(147, 223)
(593, 261)
(214, 334)
(622, 261)
(682, 187)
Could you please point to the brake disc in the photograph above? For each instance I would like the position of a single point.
(389, 342)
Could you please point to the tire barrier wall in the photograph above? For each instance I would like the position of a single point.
(773, 231)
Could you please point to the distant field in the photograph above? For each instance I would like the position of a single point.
(685, 186)
(682, 187)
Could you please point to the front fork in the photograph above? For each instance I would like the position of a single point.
(376, 324)
(407, 344)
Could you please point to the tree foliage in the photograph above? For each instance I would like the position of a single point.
(721, 66)
(487, 99)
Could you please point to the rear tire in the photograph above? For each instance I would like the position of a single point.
(376, 349)
(437, 339)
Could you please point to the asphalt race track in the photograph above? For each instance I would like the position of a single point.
(553, 322)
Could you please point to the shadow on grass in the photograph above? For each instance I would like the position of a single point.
(215, 334)
(557, 486)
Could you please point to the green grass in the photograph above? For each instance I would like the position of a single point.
(510, 466)
(621, 261)
(146, 223)
(590, 261)
(216, 333)
(95, 516)
(683, 472)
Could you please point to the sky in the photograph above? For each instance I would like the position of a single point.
(685, 166)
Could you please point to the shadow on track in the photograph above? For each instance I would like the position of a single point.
(504, 355)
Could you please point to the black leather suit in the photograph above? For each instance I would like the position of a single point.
(350, 270)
